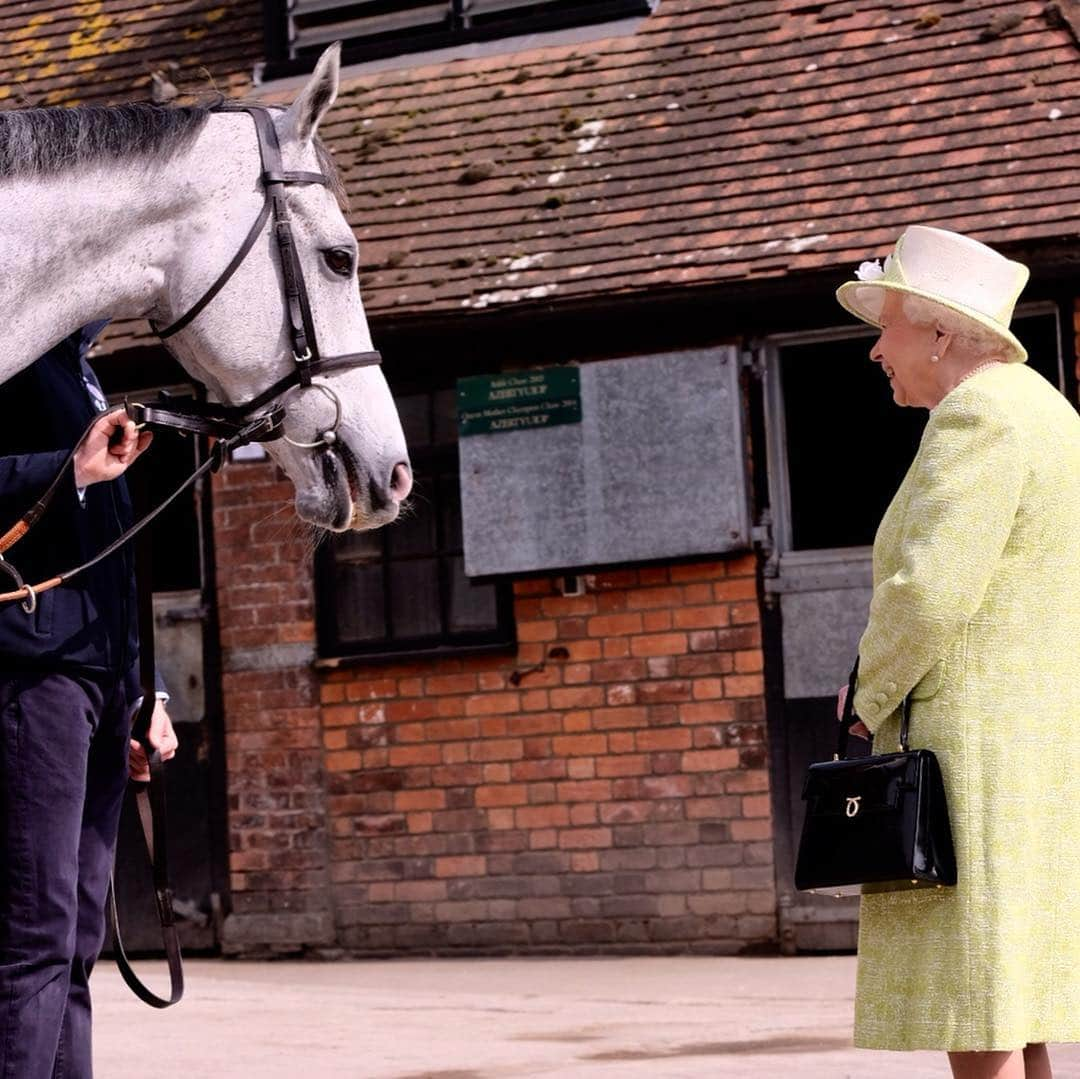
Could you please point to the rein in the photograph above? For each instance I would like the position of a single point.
(29, 593)
(231, 426)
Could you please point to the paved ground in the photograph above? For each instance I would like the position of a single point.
(660, 1018)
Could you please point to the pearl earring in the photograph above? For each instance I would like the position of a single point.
(935, 358)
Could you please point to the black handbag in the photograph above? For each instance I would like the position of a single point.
(877, 823)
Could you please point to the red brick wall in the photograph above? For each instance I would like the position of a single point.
(616, 796)
(279, 877)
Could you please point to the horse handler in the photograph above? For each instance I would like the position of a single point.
(69, 689)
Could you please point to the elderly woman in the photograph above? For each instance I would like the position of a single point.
(976, 613)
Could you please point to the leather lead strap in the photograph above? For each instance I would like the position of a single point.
(150, 800)
(212, 463)
(223, 421)
(152, 821)
(159, 414)
(32, 515)
(315, 367)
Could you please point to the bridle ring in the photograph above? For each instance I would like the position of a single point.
(30, 603)
(329, 436)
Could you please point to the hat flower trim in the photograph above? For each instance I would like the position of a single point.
(871, 271)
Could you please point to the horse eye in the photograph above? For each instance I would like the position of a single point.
(339, 259)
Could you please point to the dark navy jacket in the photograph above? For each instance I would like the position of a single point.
(91, 623)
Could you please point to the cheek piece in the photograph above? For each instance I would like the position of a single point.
(225, 421)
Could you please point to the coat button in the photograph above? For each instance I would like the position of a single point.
(890, 686)
(881, 698)
(872, 708)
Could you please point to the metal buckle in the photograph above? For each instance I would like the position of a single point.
(329, 436)
(136, 411)
(30, 603)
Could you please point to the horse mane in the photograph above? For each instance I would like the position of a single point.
(47, 141)
(58, 139)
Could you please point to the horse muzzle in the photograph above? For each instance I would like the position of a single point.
(350, 496)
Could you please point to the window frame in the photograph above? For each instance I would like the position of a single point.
(776, 437)
(436, 461)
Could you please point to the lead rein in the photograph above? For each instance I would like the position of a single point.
(28, 593)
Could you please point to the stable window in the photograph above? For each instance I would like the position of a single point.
(846, 444)
(403, 588)
(838, 449)
(298, 30)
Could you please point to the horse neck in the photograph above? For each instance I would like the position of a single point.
(99, 243)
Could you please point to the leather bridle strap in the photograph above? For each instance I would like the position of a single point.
(312, 367)
(301, 326)
(222, 419)
(273, 177)
(253, 234)
(198, 417)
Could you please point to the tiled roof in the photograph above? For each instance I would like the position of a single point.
(720, 142)
(54, 53)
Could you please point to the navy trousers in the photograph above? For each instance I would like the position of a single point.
(63, 770)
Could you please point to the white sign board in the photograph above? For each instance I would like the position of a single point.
(654, 469)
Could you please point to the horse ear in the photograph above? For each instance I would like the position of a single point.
(312, 103)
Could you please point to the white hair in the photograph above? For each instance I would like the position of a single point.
(969, 334)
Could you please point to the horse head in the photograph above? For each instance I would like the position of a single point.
(344, 449)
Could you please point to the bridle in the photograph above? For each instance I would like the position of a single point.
(223, 420)
(231, 425)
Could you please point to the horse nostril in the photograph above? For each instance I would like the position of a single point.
(400, 481)
(397, 486)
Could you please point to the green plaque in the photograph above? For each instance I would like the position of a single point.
(493, 404)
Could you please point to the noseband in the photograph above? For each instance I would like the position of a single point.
(228, 421)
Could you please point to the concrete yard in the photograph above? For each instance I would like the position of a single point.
(602, 1018)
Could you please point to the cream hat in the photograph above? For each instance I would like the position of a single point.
(948, 269)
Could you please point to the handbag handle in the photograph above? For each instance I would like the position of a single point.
(847, 720)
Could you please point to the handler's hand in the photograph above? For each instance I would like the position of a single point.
(99, 460)
(858, 728)
(162, 737)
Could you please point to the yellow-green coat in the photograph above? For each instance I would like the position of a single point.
(976, 608)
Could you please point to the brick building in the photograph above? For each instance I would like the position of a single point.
(384, 755)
